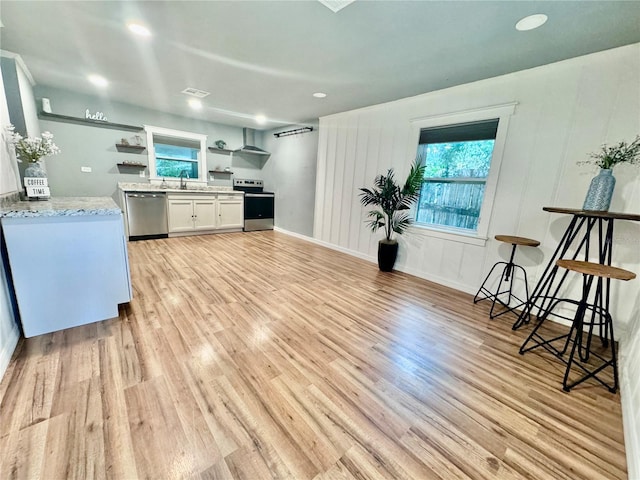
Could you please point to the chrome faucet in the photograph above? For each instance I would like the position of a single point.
(183, 184)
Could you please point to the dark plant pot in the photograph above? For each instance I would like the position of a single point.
(387, 254)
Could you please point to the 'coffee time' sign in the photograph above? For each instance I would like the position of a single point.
(37, 187)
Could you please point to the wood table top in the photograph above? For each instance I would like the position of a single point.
(593, 213)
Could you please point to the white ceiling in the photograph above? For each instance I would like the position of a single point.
(269, 57)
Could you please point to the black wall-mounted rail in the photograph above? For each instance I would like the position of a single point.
(293, 132)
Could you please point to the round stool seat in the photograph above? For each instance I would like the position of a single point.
(528, 242)
(596, 269)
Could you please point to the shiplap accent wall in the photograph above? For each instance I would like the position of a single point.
(564, 111)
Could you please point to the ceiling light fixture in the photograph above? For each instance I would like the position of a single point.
(531, 22)
(336, 5)
(195, 92)
(319, 95)
(98, 81)
(261, 119)
(195, 104)
(139, 29)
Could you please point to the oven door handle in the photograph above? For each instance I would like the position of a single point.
(259, 195)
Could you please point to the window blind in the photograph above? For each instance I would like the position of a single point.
(461, 132)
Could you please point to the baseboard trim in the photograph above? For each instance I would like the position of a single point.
(8, 348)
(401, 268)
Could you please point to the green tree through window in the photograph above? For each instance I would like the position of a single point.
(172, 160)
(453, 187)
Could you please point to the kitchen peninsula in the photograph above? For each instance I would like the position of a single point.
(68, 261)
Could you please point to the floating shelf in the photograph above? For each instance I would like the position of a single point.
(85, 121)
(121, 147)
(132, 165)
(223, 151)
(221, 171)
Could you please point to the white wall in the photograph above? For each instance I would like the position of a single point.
(565, 110)
(629, 359)
(28, 100)
(290, 172)
(8, 184)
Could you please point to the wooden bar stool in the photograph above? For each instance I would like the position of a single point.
(599, 316)
(508, 274)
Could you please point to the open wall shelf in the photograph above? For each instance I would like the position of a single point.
(85, 121)
(121, 147)
(221, 172)
(222, 151)
(132, 165)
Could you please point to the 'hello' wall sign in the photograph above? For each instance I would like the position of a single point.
(95, 116)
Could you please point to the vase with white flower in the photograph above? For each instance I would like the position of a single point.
(601, 188)
(32, 150)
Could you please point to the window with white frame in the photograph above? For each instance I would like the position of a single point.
(457, 159)
(174, 154)
(462, 153)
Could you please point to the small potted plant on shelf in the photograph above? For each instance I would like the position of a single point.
(392, 201)
(601, 188)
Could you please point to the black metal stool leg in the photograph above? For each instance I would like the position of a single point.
(482, 289)
(507, 276)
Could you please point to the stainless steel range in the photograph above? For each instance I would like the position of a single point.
(258, 204)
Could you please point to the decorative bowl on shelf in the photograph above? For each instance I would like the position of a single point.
(221, 144)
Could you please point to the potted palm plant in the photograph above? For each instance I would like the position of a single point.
(392, 201)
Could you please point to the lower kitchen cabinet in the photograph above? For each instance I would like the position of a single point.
(231, 212)
(204, 213)
(180, 214)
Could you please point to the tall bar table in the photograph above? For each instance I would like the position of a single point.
(578, 234)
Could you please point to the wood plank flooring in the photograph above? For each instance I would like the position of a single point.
(258, 356)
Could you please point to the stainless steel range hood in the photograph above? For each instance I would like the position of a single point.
(248, 145)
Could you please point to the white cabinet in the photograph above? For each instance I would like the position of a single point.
(180, 214)
(230, 211)
(205, 213)
(67, 270)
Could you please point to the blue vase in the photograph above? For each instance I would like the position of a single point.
(600, 191)
(35, 169)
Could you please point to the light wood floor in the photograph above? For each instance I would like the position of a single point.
(258, 355)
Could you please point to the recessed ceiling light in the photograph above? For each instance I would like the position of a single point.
(139, 29)
(195, 92)
(98, 80)
(531, 22)
(195, 103)
(319, 95)
(261, 119)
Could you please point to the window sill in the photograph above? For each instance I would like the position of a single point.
(448, 234)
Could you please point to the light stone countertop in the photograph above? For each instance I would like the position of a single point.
(61, 207)
(147, 187)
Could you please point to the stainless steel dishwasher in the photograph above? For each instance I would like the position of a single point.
(147, 215)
